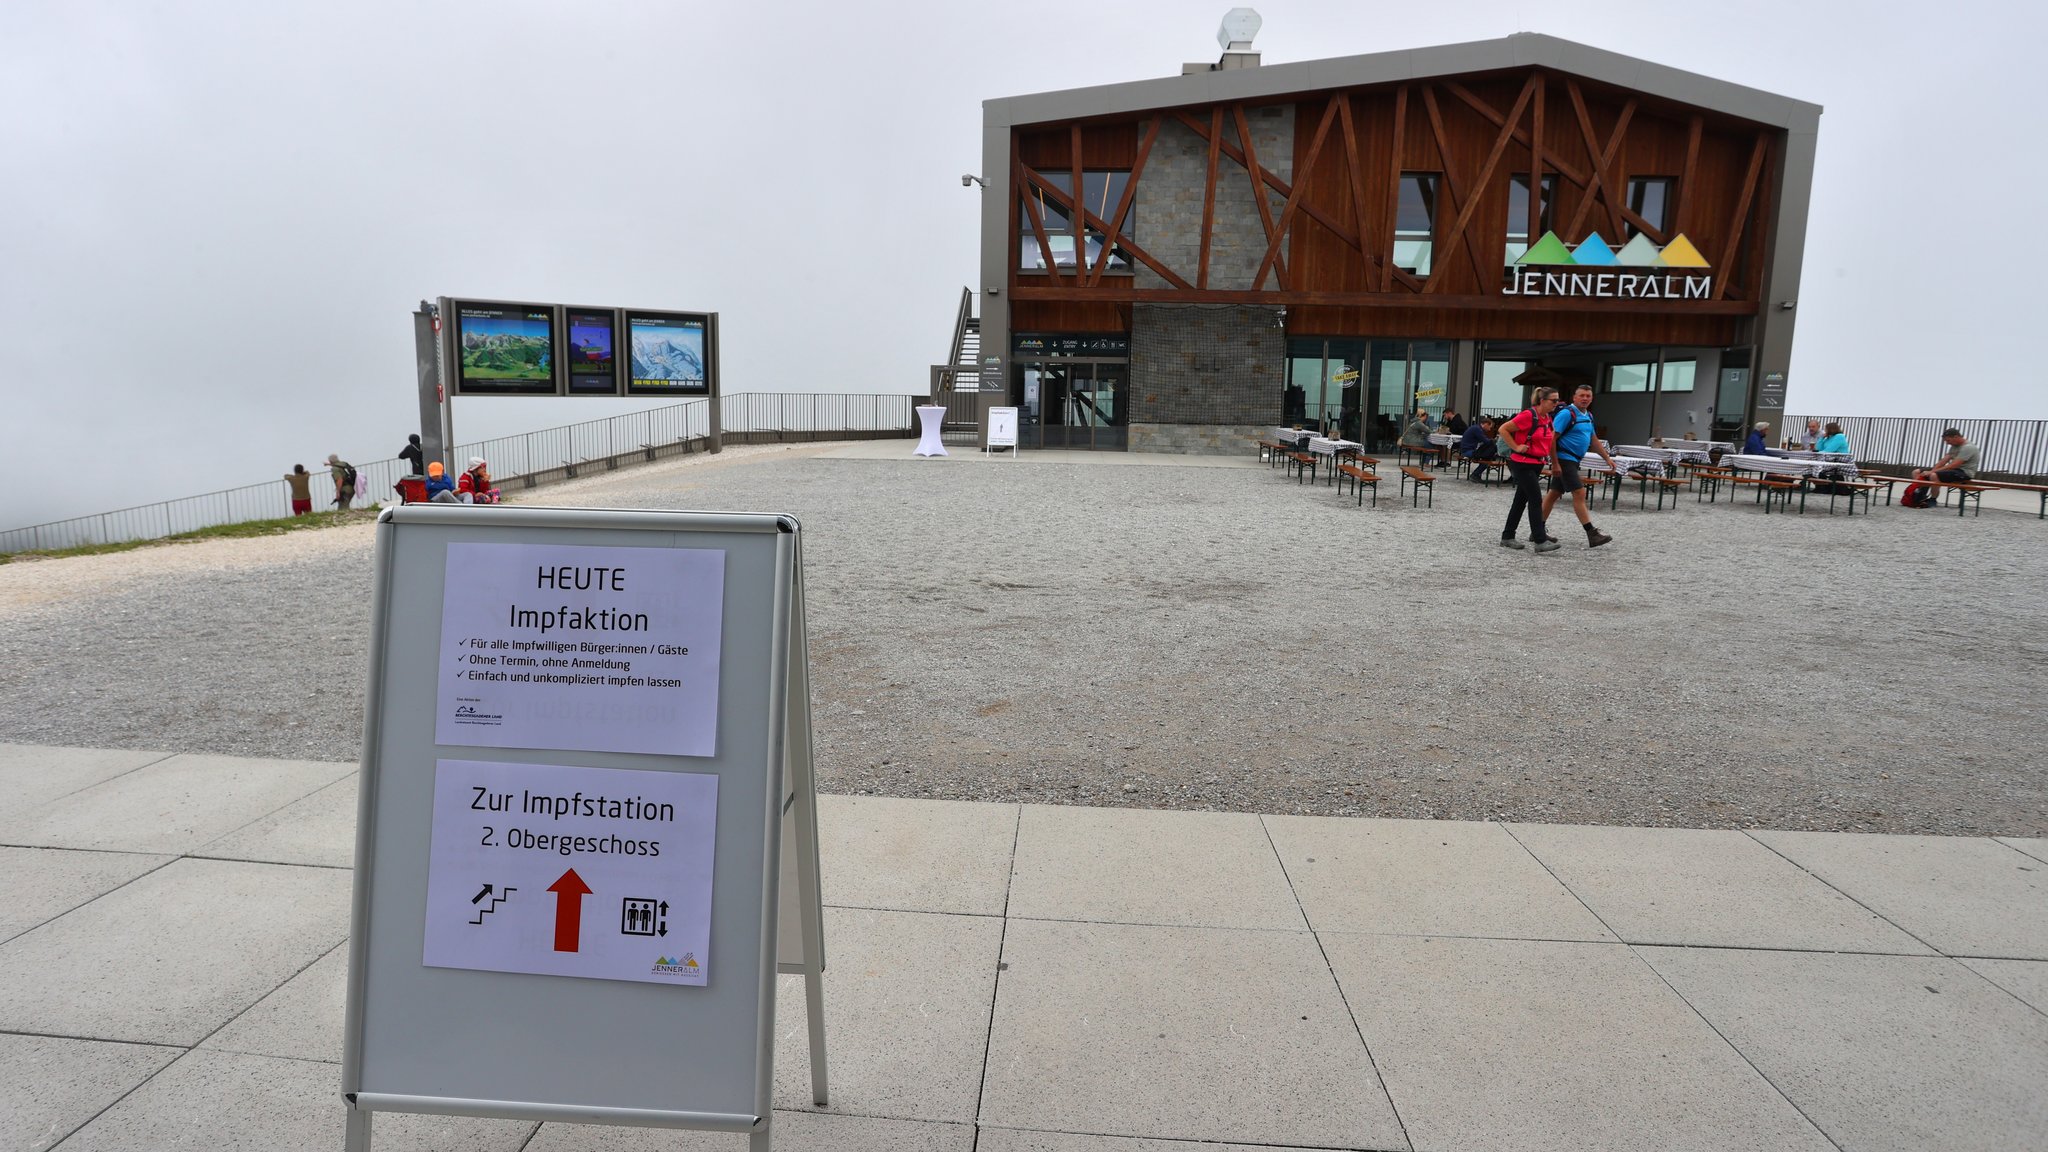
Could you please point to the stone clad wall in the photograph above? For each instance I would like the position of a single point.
(1168, 203)
(1204, 377)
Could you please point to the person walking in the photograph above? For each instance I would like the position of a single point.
(1532, 447)
(301, 482)
(1575, 436)
(414, 456)
(344, 474)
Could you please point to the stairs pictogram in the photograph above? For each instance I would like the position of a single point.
(496, 900)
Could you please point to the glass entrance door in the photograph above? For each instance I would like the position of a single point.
(1075, 404)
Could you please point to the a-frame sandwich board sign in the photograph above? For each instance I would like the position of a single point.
(587, 824)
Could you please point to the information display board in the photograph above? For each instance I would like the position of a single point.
(591, 355)
(587, 819)
(504, 349)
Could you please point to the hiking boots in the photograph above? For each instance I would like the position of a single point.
(1546, 545)
(1595, 537)
(1511, 542)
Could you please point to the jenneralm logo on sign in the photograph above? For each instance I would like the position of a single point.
(1638, 271)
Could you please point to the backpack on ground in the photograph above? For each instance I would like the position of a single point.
(1917, 496)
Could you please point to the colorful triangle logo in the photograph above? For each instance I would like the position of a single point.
(1681, 254)
(1549, 250)
(1639, 253)
(1592, 252)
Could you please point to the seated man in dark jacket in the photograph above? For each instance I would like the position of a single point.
(1756, 445)
(1477, 446)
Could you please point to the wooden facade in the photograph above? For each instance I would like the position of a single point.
(1329, 215)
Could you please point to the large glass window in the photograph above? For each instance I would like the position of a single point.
(1650, 198)
(1519, 236)
(1678, 376)
(1101, 192)
(1498, 392)
(1415, 222)
(1630, 377)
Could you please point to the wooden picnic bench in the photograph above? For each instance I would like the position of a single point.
(1420, 479)
(1303, 465)
(2040, 490)
(1360, 481)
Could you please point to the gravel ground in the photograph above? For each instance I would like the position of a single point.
(1185, 637)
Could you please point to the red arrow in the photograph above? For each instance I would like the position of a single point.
(569, 892)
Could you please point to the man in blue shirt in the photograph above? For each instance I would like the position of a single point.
(1476, 445)
(1574, 426)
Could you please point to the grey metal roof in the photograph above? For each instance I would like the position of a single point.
(1521, 50)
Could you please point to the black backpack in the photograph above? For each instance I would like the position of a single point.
(348, 475)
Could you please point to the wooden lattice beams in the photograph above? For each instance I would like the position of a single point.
(1209, 193)
(1533, 228)
(1301, 169)
(1394, 184)
(1236, 154)
(1726, 267)
(1455, 196)
(1089, 219)
(1601, 183)
(1500, 146)
(1022, 190)
(1080, 197)
(1123, 203)
(1257, 174)
(1681, 210)
(1489, 112)
(1355, 173)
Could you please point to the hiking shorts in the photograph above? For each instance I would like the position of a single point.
(1567, 478)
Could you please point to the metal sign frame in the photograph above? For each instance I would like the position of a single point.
(524, 1063)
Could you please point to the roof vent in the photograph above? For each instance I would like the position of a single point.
(1239, 26)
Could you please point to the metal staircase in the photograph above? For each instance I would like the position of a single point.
(957, 382)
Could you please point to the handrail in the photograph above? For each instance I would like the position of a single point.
(513, 458)
(2007, 449)
(960, 319)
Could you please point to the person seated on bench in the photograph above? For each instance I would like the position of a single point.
(1477, 446)
(1756, 444)
(1833, 440)
(1415, 437)
(1958, 467)
(1455, 424)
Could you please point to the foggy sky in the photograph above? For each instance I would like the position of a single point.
(215, 219)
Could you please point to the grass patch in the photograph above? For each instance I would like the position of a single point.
(277, 527)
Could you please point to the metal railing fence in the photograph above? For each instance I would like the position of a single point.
(2014, 450)
(812, 414)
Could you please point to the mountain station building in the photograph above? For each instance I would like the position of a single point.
(1180, 264)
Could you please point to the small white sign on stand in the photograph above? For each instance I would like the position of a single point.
(1002, 429)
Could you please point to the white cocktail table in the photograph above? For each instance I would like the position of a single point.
(931, 418)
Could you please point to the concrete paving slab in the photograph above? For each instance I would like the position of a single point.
(1013, 1140)
(32, 775)
(44, 883)
(173, 805)
(916, 855)
(1425, 878)
(319, 829)
(1883, 1052)
(301, 1020)
(792, 1132)
(1179, 1033)
(2026, 979)
(907, 999)
(1705, 887)
(213, 1101)
(1135, 866)
(1963, 895)
(2036, 848)
(174, 955)
(54, 1085)
(1527, 1045)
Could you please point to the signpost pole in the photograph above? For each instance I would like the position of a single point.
(810, 897)
(356, 1138)
(426, 346)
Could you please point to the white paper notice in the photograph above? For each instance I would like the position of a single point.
(603, 873)
(597, 649)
